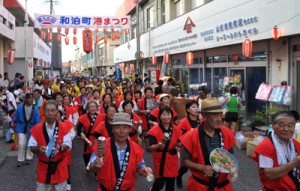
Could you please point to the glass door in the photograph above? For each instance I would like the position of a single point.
(184, 79)
(237, 77)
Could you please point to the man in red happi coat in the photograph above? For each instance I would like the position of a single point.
(123, 158)
(50, 141)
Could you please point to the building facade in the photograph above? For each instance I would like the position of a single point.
(214, 31)
(32, 54)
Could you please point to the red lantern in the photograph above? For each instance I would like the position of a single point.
(154, 61)
(74, 40)
(189, 58)
(58, 30)
(43, 35)
(166, 58)
(49, 36)
(235, 57)
(126, 70)
(67, 40)
(105, 30)
(74, 31)
(96, 30)
(126, 31)
(105, 38)
(247, 48)
(96, 38)
(50, 29)
(11, 56)
(123, 65)
(87, 38)
(58, 37)
(132, 67)
(276, 33)
(66, 31)
(113, 36)
(118, 34)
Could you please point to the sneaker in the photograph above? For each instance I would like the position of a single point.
(68, 187)
(179, 181)
(20, 164)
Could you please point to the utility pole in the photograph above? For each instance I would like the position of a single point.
(138, 48)
(25, 50)
(51, 5)
(51, 13)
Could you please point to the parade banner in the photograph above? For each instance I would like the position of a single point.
(75, 21)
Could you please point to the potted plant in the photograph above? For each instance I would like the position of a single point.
(260, 121)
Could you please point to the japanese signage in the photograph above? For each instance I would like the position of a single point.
(231, 30)
(52, 21)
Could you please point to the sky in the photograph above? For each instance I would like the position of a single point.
(73, 7)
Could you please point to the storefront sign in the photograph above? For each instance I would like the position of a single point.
(237, 23)
(175, 44)
(228, 27)
(52, 21)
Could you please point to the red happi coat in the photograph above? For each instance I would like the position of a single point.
(155, 112)
(134, 134)
(85, 121)
(102, 129)
(192, 143)
(142, 104)
(266, 148)
(69, 125)
(185, 125)
(171, 161)
(61, 173)
(106, 174)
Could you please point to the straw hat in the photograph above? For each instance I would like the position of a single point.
(121, 119)
(211, 105)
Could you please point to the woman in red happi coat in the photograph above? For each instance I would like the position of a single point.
(136, 120)
(105, 128)
(165, 158)
(86, 129)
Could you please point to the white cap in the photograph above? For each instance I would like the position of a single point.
(162, 96)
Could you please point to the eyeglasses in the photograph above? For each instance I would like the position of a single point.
(282, 125)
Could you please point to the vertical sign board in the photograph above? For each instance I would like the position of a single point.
(117, 71)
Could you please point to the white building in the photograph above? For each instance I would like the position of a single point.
(7, 34)
(214, 31)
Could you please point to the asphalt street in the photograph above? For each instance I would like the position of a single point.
(24, 178)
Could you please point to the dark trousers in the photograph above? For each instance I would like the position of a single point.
(182, 171)
(160, 182)
(69, 178)
(86, 158)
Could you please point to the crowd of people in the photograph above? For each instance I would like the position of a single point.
(130, 118)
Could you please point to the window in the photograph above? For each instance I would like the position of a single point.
(256, 56)
(179, 9)
(219, 75)
(163, 12)
(149, 17)
(100, 51)
(221, 58)
(11, 26)
(197, 3)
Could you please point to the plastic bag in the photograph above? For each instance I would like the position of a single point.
(278, 94)
(263, 92)
(287, 98)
